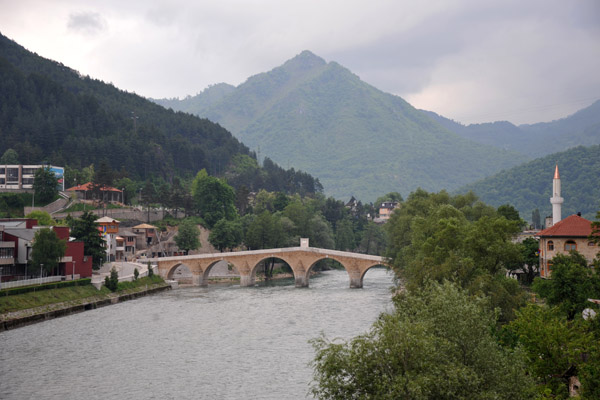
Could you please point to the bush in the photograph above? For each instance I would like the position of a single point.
(112, 282)
(136, 273)
(150, 270)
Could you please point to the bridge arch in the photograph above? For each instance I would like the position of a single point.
(183, 269)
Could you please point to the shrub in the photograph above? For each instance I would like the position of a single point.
(112, 282)
(136, 273)
(150, 270)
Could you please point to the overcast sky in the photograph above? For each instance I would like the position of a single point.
(524, 61)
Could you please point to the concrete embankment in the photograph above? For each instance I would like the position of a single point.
(32, 316)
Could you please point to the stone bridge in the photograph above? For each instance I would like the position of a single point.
(300, 259)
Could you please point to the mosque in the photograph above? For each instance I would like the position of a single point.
(564, 235)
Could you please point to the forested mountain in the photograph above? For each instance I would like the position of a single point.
(358, 140)
(51, 113)
(581, 128)
(529, 186)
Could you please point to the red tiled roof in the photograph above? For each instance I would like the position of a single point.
(87, 187)
(573, 225)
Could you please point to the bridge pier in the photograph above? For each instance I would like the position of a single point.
(198, 280)
(301, 280)
(356, 281)
(247, 280)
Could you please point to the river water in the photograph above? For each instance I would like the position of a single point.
(221, 342)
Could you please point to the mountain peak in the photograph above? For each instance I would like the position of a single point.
(305, 60)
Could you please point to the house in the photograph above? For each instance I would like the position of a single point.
(146, 235)
(109, 229)
(126, 248)
(17, 177)
(386, 208)
(572, 233)
(87, 193)
(16, 242)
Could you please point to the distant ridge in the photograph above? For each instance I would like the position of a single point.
(356, 139)
(581, 128)
(529, 186)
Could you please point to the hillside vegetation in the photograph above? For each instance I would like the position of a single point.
(529, 186)
(356, 139)
(51, 113)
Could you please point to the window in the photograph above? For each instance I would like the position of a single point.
(570, 245)
(550, 245)
(549, 267)
(6, 252)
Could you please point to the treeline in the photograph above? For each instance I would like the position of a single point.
(461, 328)
(528, 187)
(50, 113)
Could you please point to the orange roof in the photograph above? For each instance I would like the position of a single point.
(573, 225)
(87, 186)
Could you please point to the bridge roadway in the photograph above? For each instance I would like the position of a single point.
(300, 259)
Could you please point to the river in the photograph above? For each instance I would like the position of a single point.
(220, 342)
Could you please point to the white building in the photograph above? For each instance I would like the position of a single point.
(21, 176)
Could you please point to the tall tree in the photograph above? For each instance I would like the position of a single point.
(536, 220)
(85, 229)
(226, 234)
(45, 184)
(214, 198)
(188, 236)
(47, 249)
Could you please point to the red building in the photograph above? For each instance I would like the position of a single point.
(16, 241)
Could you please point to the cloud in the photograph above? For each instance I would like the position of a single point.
(87, 23)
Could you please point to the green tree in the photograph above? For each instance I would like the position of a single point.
(530, 253)
(226, 234)
(85, 229)
(423, 350)
(344, 236)
(536, 220)
(42, 217)
(45, 184)
(214, 198)
(265, 232)
(572, 283)
(557, 349)
(47, 249)
(509, 212)
(188, 236)
(10, 157)
(112, 282)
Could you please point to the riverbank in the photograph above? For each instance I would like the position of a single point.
(16, 319)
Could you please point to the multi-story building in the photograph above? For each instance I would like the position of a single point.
(386, 208)
(16, 242)
(21, 176)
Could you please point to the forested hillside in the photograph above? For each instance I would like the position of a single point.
(529, 186)
(358, 140)
(50, 113)
(581, 128)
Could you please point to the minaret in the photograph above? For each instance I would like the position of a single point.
(556, 200)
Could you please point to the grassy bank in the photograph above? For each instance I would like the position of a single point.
(71, 295)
